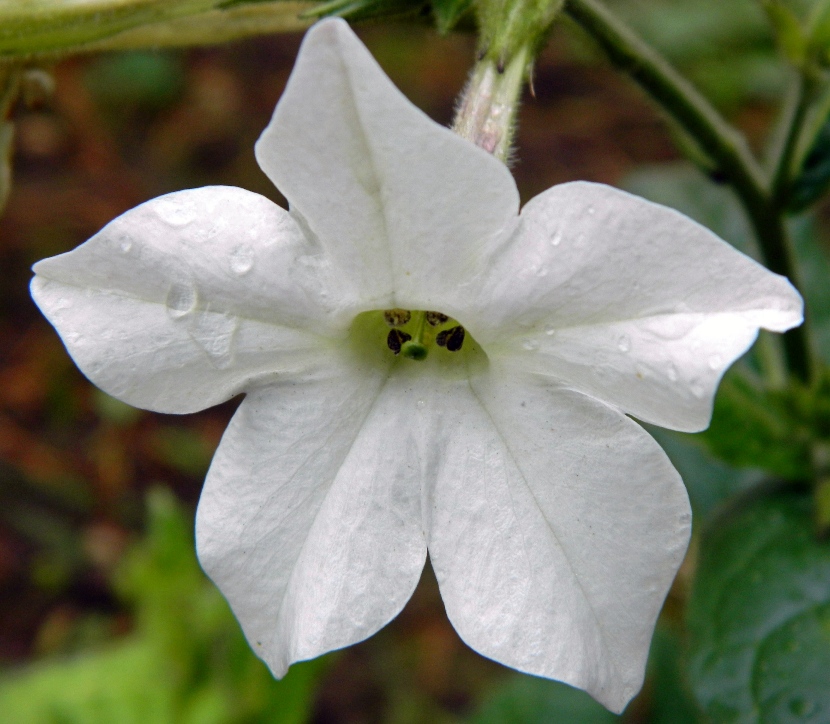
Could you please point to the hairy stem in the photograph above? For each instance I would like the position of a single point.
(487, 108)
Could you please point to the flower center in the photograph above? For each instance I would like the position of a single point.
(414, 332)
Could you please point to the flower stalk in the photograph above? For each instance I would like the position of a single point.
(511, 33)
(489, 104)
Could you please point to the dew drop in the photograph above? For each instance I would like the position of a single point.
(671, 372)
(181, 299)
(697, 390)
(550, 330)
(591, 210)
(421, 404)
(530, 345)
(174, 211)
(242, 260)
(715, 361)
(73, 337)
(556, 239)
(125, 244)
(624, 343)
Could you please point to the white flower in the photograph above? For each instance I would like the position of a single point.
(554, 522)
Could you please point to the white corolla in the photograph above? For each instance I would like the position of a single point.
(425, 369)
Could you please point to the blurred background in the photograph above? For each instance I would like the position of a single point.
(104, 613)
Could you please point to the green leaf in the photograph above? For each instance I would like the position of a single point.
(670, 699)
(759, 616)
(819, 25)
(354, 10)
(525, 699)
(448, 12)
(814, 271)
(788, 31)
(755, 427)
(708, 480)
(186, 661)
(35, 26)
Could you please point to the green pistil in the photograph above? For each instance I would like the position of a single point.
(414, 348)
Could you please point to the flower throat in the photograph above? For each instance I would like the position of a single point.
(412, 333)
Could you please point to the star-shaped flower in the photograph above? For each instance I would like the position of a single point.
(426, 369)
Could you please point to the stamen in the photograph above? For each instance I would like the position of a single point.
(422, 331)
(397, 317)
(436, 318)
(396, 339)
(452, 338)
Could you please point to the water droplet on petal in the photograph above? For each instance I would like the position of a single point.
(624, 343)
(242, 260)
(181, 299)
(530, 345)
(550, 330)
(715, 361)
(591, 210)
(421, 403)
(175, 211)
(698, 390)
(671, 372)
(73, 337)
(556, 239)
(125, 244)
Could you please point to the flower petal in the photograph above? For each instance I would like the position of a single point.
(310, 519)
(628, 301)
(558, 525)
(179, 303)
(387, 190)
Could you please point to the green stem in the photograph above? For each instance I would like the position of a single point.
(718, 139)
(783, 172)
(723, 143)
(774, 239)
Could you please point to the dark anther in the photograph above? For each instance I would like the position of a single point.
(451, 338)
(395, 339)
(436, 318)
(396, 317)
(500, 66)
